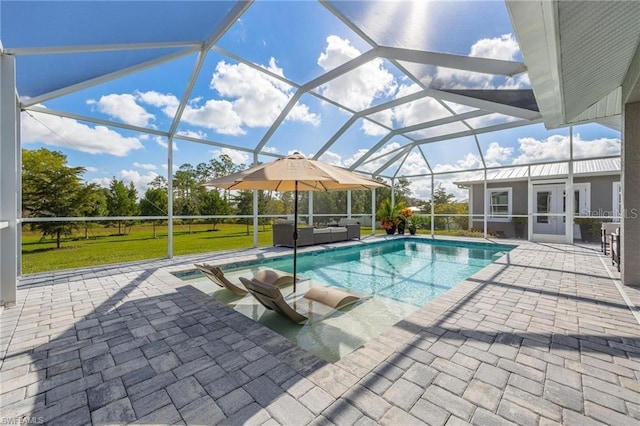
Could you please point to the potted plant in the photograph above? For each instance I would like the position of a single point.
(589, 228)
(388, 215)
(519, 225)
(403, 217)
(411, 226)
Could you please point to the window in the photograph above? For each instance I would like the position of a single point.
(616, 202)
(499, 204)
(581, 199)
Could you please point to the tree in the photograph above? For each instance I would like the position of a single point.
(211, 203)
(50, 188)
(95, 205)
(154, 203)
(244, 206)
(442, 204)
(185, 181)
(186, 206)
(462, 222)
(122, 200)
(158, 182)
(273, 206)
(223, 166)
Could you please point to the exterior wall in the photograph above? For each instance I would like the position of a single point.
(601, 196)
(601, 193)
(519, 206)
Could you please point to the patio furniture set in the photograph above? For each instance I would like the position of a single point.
(343, 230)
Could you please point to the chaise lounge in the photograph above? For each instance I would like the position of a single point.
(267, 276)
(317, 301)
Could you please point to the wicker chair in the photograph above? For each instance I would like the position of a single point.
(283, 235)
(353, 228)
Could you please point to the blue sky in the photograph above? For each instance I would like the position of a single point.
(234, 104)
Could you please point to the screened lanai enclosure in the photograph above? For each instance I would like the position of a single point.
(435, 94)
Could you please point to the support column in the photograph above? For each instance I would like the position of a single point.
(349, 204)
(255, 208)
(393, 192)
(9, 182)
(569, 195)
(433, 193)
(310, 219)
(529, 205)
(170, 198)
(373, 212)
(485, 199)
(630, 215)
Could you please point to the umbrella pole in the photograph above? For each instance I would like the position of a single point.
(295, 235)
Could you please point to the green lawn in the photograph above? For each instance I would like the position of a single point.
(105, 246)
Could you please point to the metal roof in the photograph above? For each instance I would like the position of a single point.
(581, 168)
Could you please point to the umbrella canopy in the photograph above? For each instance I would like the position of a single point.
(295, 173)
(282, 175)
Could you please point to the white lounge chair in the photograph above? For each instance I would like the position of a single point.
(318, 300)
(268, 276)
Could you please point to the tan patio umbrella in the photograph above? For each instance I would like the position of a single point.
(293, 173)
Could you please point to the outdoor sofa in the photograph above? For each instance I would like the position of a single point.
(345, 229)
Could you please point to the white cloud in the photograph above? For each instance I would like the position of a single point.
(414, 165)
(144, 166)
(123, 107)
(358, 88)
(103, 181)
(556, 147)
(470, 161)
(238, 157)
(504, 47)
(520, 81)
(420, 111)
(91, 169)
(163, 143)
(68, 133)
(374, 165)
(213, 114)
(257, 98)
(193, 134)
(168, 103)
(331, 158)
(252, 99)
(141, 182)
(496, 154)
(270, 149)
(372, 129)
(217, 115)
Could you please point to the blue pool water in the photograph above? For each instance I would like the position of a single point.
(406, 270)
(402, 275)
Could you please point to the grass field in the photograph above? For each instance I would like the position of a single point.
(106, 246)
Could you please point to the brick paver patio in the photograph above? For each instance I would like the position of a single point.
(543, 336)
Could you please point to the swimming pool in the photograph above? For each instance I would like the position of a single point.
(402, 275)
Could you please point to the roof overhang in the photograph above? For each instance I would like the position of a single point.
(582, 57)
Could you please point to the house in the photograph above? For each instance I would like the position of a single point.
(535, 195)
